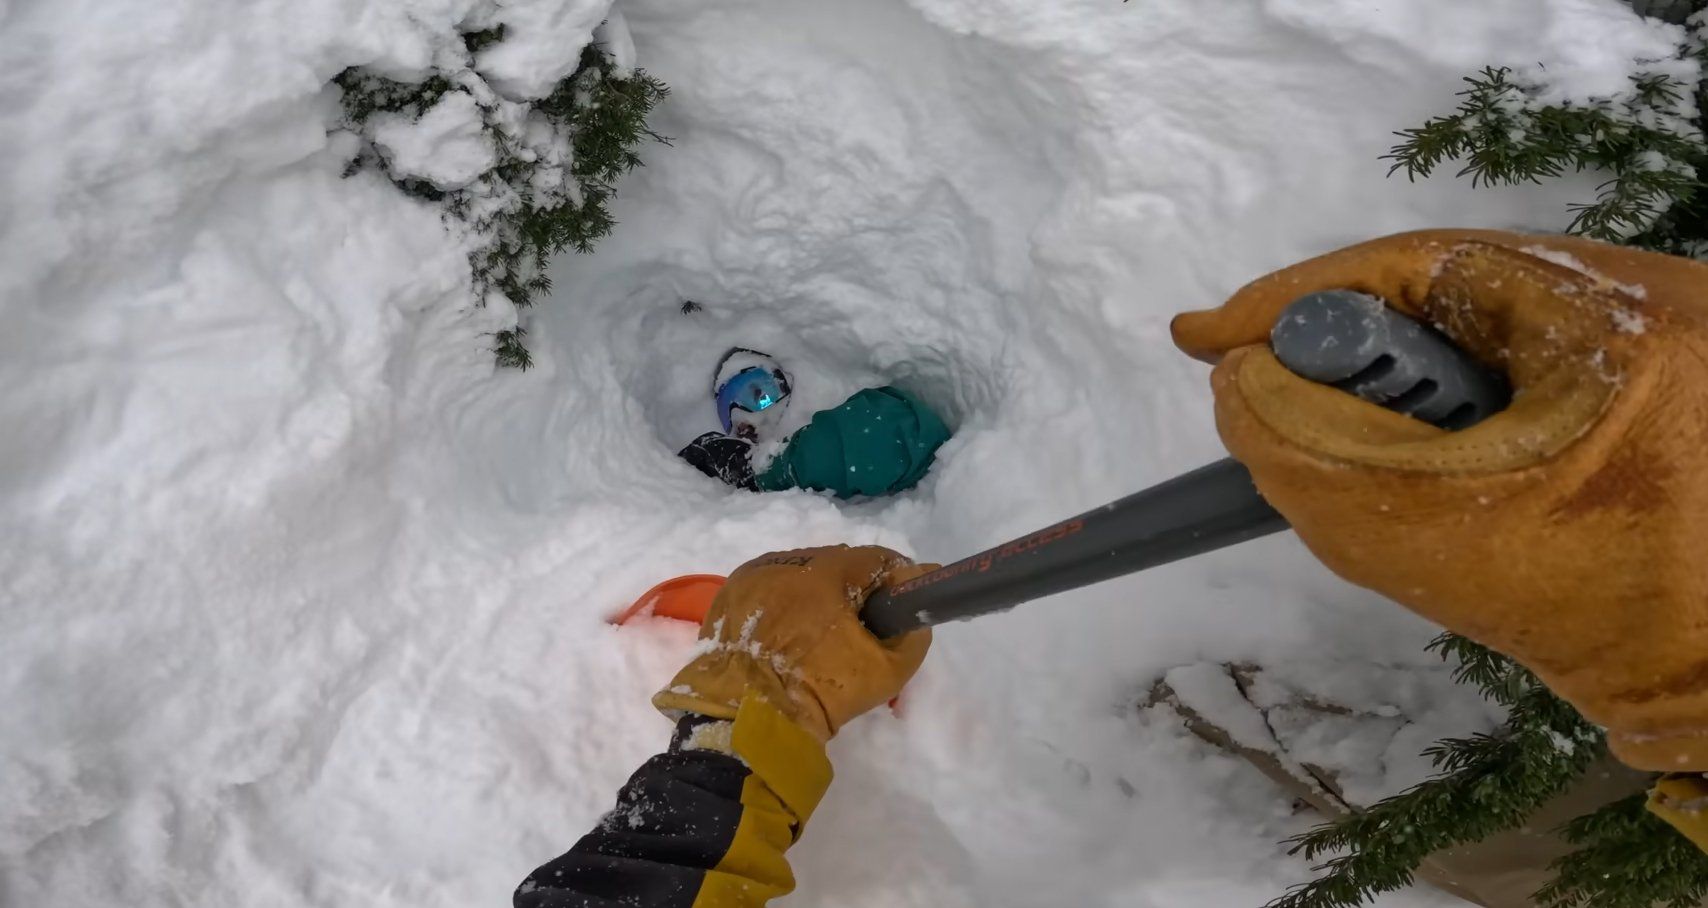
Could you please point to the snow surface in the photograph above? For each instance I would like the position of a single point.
(303, 602)
(444, 146)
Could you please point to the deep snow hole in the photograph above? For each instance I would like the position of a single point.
(869, 228)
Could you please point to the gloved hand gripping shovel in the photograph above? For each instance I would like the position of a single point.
(1345, 339)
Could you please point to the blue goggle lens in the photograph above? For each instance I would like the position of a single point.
(752, 390)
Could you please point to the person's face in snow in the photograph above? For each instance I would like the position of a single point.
(761, 425)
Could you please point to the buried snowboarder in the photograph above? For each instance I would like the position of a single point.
(879, 441)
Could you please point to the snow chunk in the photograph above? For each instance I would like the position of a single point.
(1628, 322)
(1558, 257)
(1597, 47)
(447, 146)
(613, 35)
(542, 44)
(1575, 49)
(1567, 260)
(1210, 691)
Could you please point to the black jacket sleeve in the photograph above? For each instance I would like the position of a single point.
(696, 827)
(674, 821)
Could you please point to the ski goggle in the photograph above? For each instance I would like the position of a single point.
(753, 390)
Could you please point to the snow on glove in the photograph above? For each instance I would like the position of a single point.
(786, 628)
(1565, 531)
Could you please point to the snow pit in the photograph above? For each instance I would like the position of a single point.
(669, 375)
(303, 604)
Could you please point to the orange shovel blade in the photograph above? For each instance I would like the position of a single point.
(686, 598)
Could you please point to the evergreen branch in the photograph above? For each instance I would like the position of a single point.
(1648, 141)
(1498, 677)
(511, 352)
(528, 207)
(1626, 858)
(1489, 783)
(1632, 203)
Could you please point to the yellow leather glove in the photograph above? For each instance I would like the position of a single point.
(786, 627)
(1566, 531)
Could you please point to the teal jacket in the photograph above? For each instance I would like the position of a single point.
(878, 442)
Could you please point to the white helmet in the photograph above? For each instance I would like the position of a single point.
(752, 392)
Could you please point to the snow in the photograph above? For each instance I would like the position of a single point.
(1624, 320)
(543, 42)
(1591, 48)
(1389, 715)
(1627, 322)
(445, 146)
(613, 35)
(1210, 690)
(303, 603)
(1364, 723)
(1559, 257)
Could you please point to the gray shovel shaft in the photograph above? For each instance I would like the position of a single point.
(1206, 509)
(1345, 339)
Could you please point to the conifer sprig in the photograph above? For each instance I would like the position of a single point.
(524, 209)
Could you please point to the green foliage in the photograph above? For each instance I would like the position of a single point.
(476, 41)
(1626, 857)
(555, 164)
(507, 346)
(1488, 783)
(366, 94)
(1647, 142)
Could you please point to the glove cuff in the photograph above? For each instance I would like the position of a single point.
(716, 683)
(787, 756)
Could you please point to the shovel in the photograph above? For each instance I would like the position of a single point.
(1349, 340)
